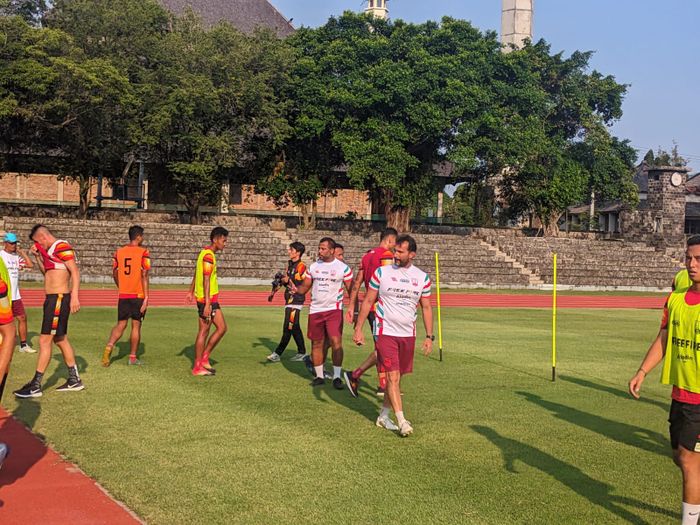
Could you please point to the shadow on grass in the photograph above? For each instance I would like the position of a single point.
(362, 405)
(638, 437)
(617, 392)
(597, 492)
(61, 370)
(25, 452)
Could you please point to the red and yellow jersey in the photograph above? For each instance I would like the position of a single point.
(373, 259)
(5, 295)
(206, 265)
(57, 255)
(131, 263)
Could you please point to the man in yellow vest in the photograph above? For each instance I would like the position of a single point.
(7, 336)
(677, 346)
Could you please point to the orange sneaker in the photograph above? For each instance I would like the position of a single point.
(201, 371)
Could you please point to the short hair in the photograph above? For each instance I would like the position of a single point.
(296, 245)
(330, 241)
(219, 231)
(338, 245)
(412, 247)
(135, 231)
(35, 229)
(693, 241)
(388, 232)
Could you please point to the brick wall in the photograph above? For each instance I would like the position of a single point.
(42, 188)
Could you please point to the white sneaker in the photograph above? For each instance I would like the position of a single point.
(405, 429)
(327, 374)
(26, 349)
(297, 357)
(386, 422)
(274, 357)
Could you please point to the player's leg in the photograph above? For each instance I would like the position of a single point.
(7, 346)
(298, 336)
(20, 314)
(134, 342)
(317, 360)
(199, 344)
(114, 336)
(287, 326)
(74, 382)
(220, 329)
(690, 467)
(335, 336)
(685, 428)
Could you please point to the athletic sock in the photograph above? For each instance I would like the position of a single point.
(319, 371)
(73, 372)
(690, 514)
(357, 373)
(399, 417)
(336, 372)
(38, 376)
(385, 411)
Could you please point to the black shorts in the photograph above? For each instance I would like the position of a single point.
(684, 425)
(214, 308)
(130, 309)
(371, 318)
(56, 313)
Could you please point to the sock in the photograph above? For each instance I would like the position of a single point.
(690, 513)
(319, 371)
(38, 376)
(132, 357)
(399, 417)
(336, 372)
(73, 372)
(23, 343)
(384, 412)
(197, 364)
(357, 373)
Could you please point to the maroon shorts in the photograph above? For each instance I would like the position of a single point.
(18, 308)
(325, 324)
(395, 354)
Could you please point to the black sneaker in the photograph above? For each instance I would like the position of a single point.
(309, 365)
(338, 384)
(351, 383)
(318, 381)
(29, 390)
(71, 385)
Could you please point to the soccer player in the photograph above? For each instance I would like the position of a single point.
(677, 347)
(397, 290)
(205, 289)
(130, 268)
(382, 255)
(293, 304)
(7, 336)
(326, 278)
(15, 260)
(55, 259)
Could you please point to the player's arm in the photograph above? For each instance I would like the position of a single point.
(74, 271)
(354, 294)
(347, 279)
(26, 262)
(653, 357)
(304, 287)
(366, 307)
(190, 292)
(427, 311)
(207, 300)
(38, 258)
(145, 276)
(115, 269)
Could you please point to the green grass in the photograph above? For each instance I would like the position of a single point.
(495, 440)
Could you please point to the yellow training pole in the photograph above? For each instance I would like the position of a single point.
(439, 316)
(554, 322)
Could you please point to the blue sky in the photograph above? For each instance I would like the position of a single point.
(649, 44)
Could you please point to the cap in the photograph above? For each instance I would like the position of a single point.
(10, 237)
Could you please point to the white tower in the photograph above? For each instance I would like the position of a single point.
(377, 8)
(516, 22)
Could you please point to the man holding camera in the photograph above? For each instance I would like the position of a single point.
(293, 303)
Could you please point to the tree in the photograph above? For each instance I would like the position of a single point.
(664, 158)
(32, 11)
(392, 97)
(55, 101)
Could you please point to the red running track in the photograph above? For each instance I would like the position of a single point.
(38, 486)
(103, 297)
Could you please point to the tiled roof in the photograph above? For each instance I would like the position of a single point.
(245, 15)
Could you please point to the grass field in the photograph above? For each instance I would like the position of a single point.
(495, 440)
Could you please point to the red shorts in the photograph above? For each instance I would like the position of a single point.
(395, 354)
(18, 308)
(325, 324)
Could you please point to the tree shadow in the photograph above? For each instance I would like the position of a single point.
(25, 451)
(617, 392)
(597, 492)
(631, 435)
(61, 370)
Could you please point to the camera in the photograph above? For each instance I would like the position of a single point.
(276, 284)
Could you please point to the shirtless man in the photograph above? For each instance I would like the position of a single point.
(56, 260)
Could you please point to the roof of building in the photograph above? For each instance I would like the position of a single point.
(245, 15)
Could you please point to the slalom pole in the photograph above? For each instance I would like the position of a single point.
(554, 322)
(439, 316)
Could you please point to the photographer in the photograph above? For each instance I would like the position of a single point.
(293, 303)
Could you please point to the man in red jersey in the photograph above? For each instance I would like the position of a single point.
(382, 255)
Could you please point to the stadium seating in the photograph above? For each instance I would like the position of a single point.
(480, 258)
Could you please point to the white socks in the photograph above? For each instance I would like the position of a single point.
(336, 372)
(384, 412)
(319, 371)
(399, 417)
(690, 515)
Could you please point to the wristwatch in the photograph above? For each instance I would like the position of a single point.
(431, 337)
